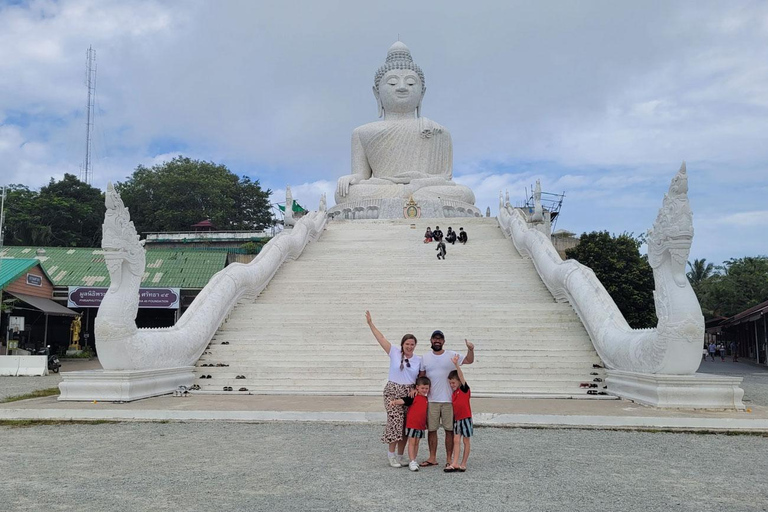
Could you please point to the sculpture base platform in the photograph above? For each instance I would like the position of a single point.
(698, 391)
(402, 209)
(123, 385)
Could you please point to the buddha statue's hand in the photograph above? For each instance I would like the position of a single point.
(342, 186)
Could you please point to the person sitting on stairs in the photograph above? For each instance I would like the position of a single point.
(450, 237)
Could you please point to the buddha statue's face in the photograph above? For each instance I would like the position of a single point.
(400, 91)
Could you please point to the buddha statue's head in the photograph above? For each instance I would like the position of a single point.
(399, 84)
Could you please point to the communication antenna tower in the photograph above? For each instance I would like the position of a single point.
(86, 175)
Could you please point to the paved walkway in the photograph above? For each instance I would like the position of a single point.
(299, 466)
(755, 383)
(360, 409)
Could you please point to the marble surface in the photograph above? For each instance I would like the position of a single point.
(404, 155)
(674, 346)
(698, 391)
(123, 385)
(123, 346)
(671, 349)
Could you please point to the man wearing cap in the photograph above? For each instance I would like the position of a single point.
(436, 366)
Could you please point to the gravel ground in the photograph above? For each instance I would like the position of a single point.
(14, 386)
(215, 466)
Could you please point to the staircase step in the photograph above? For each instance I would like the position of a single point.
(306, 332)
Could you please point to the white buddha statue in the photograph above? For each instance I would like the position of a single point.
(404, 154)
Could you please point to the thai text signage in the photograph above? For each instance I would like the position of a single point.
(91, 296)
(34, 280)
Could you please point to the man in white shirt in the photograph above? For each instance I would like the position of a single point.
(436, 366)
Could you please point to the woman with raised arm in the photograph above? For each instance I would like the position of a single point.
(403, 371)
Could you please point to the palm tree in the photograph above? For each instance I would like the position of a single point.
(700, 271)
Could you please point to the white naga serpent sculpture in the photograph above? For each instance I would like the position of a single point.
(123, 346)
(674, 346)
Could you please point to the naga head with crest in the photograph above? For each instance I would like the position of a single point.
(672, 233)
(119, 240)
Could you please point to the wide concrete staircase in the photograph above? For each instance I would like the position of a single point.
(306, 333)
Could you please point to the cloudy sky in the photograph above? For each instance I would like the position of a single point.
(601, 100)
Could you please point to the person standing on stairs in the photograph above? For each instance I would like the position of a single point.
(403, 371)
(440, 250)
(436, 366)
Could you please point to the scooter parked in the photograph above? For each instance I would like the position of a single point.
(53, 360)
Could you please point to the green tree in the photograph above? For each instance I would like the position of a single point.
(738, 284)
(22, 219)
(625, 274)
(65, 213)
(700, 271)
(74, 212)
(174, 195)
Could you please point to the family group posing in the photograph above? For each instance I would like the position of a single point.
(424, 393)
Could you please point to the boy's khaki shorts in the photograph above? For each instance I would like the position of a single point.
(440, 413)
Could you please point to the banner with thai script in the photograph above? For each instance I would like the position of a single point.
(91, 296)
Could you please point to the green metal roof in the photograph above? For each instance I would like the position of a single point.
(11, 269)
(78, 266)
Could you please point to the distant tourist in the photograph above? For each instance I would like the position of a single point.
(735, 351)
(436, 365)
(721, 349)
(462, 417)
(437, 234)
(440, 250)
(416, 420)
(462, 236)
(404, 369)
(704, 355)
(450, 236)
(428, 236)
(712, 350)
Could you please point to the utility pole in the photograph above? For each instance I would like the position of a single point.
(86, 175)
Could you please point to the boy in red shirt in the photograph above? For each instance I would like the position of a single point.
(462, 417)
(416, 420)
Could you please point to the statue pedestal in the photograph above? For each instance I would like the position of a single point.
(697, 391)
(123, 385)
(395, 209)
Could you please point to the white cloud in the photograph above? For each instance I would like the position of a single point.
(757, 218)
(601, 100)
(307, 194)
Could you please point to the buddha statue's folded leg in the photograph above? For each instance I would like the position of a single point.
(446, 190)
(371, 189)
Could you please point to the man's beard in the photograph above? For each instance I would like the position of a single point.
(436, 347)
